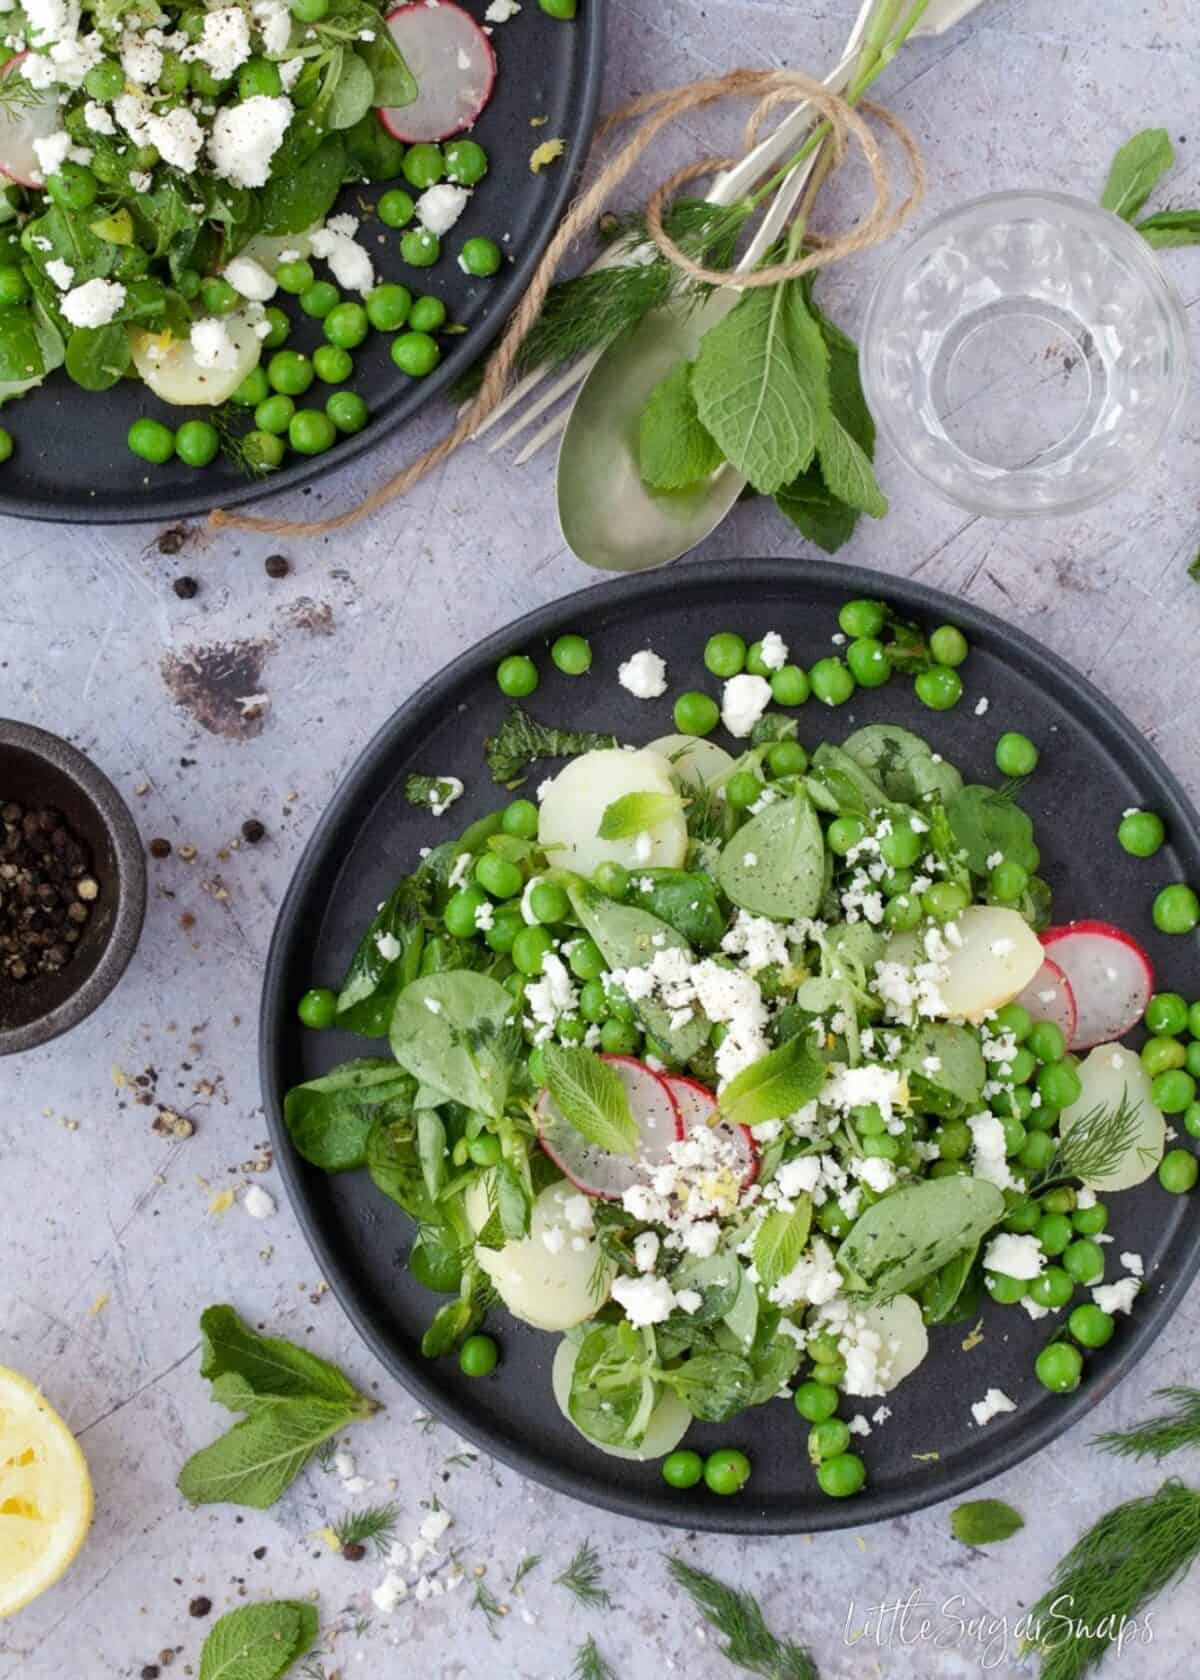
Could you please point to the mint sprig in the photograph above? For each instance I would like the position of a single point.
(259, 1641)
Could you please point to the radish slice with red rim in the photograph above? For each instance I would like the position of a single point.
(454, 66)
(1049, 997)
(22, 124)
(1110, 975)
(696, 1104)
(595, 1171)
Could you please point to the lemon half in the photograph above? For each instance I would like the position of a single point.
(45, 1494)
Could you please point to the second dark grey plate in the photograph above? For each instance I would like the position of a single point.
(1094, 765)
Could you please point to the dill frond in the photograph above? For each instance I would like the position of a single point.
(1158, 1436)
(583, 1578)
(737, 1616)
(229, 423)
(487, 1602)
(521, 740)
(590, 1664)
(526, 1566)
(1097, 1143)
(375, 1526)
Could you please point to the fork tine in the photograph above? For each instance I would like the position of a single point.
(548, 433)
(574, 377)
(517, 394)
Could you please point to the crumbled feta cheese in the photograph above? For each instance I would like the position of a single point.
(257, 1203)
(446, 791)
(645, 1250)
(1015, 1256)
(1133, 1263)
(244, 139)
(388, 946)
(94, 304)
(646, 1300)
(179, 139)
(500, 11)
(743, 702)
(702, 1238)
(98, 119)
(553, 1238)
(438, 208)
(212, 346)
(52, 151)
(1117, 1297)
(773, 651)
(644, 675)
(993, 1403)
(981, 706)
(485, 916)
(549, 996)
(348, 262)
(878, 1174)
(390, 1593)
(62, 274)
(577, 1211)
(274, 20)
(434, 1526)
(250, 279)
(689, 1300)
(224, 46)
(461, 871)
(141, 59)
(1085, 1198)
(858, 1425)
(814, 1279)
(759, 941)
(989, 1157)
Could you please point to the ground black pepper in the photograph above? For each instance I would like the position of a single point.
(46, 891)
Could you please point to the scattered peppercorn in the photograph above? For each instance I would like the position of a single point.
(277, 565)
(150, 1671)
(160, 848)
(253, 831)
(185, 588)
(354, 1552)
(200, 1607)
(45, 891)
(260, 1552)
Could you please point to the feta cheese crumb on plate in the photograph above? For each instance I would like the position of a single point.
(644, 675)
(994, 1402)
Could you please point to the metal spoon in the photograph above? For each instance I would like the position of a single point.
(609, 518)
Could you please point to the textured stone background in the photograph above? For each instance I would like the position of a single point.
(1029, 92)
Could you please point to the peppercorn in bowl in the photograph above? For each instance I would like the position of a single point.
(72, 886)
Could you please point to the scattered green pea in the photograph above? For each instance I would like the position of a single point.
(517, 676)
(572, 655)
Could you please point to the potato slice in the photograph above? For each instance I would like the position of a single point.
(669, 1421)
(171, 371)
(267, 248)
(550, 1290)
(1111, 1075)
(905, 1338)
(694, 761)
(578, 797)
(995, 958)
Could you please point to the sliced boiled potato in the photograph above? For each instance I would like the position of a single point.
(267, 248)
(1112, 1075)
(550, 1290)
(669, 1421)
(577, 798)
(905, 1338)
(170, 369)
(694, 761)
(995, 956)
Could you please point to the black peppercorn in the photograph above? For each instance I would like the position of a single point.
(354, 1552)
(160, 848)
(253, 831)
(200, 1606)
(276, 565)
(185, 588)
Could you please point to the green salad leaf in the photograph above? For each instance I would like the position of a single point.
(1136, 170)
(899, 1241)
(457, 1032)
(329, 1119)
(775, 863)
(780, 1239)
(984, 1522)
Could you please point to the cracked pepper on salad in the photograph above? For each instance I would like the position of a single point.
(173, 168)
(738, 1070)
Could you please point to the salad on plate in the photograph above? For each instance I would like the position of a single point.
(738, 1069)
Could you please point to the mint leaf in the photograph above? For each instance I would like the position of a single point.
(674, 450)
(983, 1522)
(591, 1098)
(268, 1363)
(776, 1085)
(780, 1241)
(761, 384)
(260, 1458)
(1168, 229)
(848, 474)
(816, 512)
(259, 1641)
(1136, 171)
(636, 813)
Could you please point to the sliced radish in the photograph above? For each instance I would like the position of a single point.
(20, 126)
(1110, 975)
(1049, 997)
(1110, 1076)
(595, 1171)
(696, 1104)
(454, 66)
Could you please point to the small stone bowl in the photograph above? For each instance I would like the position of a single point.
(37, 768)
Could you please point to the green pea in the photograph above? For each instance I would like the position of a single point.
(105, 80)
(500, 877)
(1052, 1287)
(478, 1356)
(862, 618)
(939, 688)
(428, 314)
(73, 186)
(1014, 1019)
(263, 450)
(280, 327)
(612, 879)
(290, 372)
(1061, 1200)
(953, 1139)
(1016, 754)
(1167, 1014)
(310, 432)
(696, 713)
(618, 1038)
(682, 1468)
(833, 1219)
(944, 900)
(346, 409)
(843, 1476)
(507, 923)
(831, 682)
(1008, 882)
(903, 913)
(1059, 1367)
(1023, 1218)
(420, 248)
(295, 277)
(274, 414)
(1014, 1135)
(530, 948)
(844, 834)
(1141, 833)
(1158, 1055)
(1037, 1151)
(459, 914)
(593, 1001)
(318, 1008)
(1021, 1068)
(1193, 1059)
(517, 676)
(725, 654)
(1060, 1084)
(197, 443)
(1177, 1171)
(815, 1401)
(537, 1067)
(318, 299)
(1173, 1091)
(826, 1440)
(151, 440)
(1177, 909)
(948, 646)
(346, 325)
(585, 959)
(218, 296)
(789, 686)
(548, 902)
(253, 390)
(1090, 1221)
(1191, 1119)
(787, 758)
(572, 655)
(6, 444)
(259, 78)
(1091, 1326)
(415, 354)
(1004, 1289)
(424, 165)
(396, 208)
(869, 662)
(726, 1471)
(1054, 1232)
(562, 9)
(1048, 1042)
(1084, 1260)
(485, 1150)
(520, 819)
(481, 257)
(331, 364)
(742, 789)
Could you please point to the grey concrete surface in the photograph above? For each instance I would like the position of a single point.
(108, 1245)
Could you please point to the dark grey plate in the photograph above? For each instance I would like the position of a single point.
(71, 461)
(1094, 765)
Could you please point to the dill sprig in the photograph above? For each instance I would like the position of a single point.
(1126, 1559)
(1158, 1436)
(17, 94)
(521, 740)
(738, 1618)
(486, 1601)
(590, 1664)
(375, 1526)
(1097, 1143)
(584, 1578)
(526, 1566)
(1193, 570)
(229, 423)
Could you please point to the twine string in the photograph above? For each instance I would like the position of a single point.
(652, 112)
